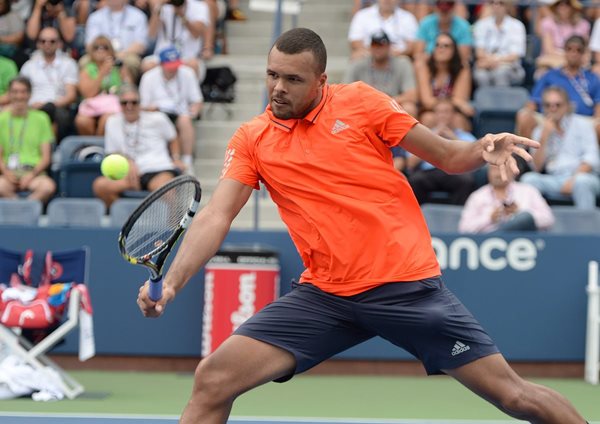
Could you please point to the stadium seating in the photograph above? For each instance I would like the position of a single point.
(442, 218)
(77, 160)
(121, 209)
(20, 212)
(76, 212)
(570, 220)
(496, 108)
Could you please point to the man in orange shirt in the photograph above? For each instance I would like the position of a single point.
(323, 152)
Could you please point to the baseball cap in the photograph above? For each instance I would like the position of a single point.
(380, 38)
(170, 58)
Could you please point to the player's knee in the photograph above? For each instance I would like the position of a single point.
(212, 382)
(516, 402)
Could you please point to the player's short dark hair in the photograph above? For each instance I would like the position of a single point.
(300, 40)
(20, 80)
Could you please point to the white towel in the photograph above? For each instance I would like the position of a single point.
(17, 378)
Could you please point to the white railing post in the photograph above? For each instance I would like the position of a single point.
(592, 340)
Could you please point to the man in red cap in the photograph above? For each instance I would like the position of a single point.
(173, 88)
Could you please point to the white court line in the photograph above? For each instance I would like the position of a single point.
(90, 415)
(369, 420)
(260, 419)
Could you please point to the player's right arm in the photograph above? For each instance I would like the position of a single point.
(200, 243)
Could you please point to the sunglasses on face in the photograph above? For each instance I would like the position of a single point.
(130, 102)
(443, 45)
(550, 105)
(48, 40)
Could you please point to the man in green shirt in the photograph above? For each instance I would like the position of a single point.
(26, 139)
(8, 70)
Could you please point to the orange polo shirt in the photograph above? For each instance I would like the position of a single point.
(352, 216)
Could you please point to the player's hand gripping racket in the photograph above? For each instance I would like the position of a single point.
(155, 225)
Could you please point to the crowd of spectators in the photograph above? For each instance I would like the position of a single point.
(80, 57)
(72, 67)
(432, 57)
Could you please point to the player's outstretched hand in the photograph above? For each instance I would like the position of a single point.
(150, 308)
(498, 149)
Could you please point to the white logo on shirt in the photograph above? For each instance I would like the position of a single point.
(396, 106)
(227, 162)
(339, 126)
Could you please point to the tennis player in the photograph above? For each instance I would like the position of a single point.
(323, 152)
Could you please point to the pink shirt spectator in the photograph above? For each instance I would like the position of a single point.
(477, 213)
(560, 31)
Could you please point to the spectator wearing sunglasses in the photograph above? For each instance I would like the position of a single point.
(173, 88)
(565, 20)
(499, 47)
(568, 160)
(99, 81)
(54, 77)
(444, 76)
(51, 13)
(125, 26)
(581, 85)
(444, 20)
(147, 140)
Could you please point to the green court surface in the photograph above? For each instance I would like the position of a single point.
(360, 397)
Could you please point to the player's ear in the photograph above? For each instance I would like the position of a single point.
(322, 79)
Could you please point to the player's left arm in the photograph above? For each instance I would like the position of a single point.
(455, 156)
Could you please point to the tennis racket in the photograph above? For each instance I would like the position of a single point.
(153, 228)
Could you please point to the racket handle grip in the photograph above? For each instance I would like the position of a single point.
(155, 288)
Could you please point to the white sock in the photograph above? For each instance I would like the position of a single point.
(187, 160)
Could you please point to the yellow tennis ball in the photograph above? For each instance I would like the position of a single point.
(114, 167)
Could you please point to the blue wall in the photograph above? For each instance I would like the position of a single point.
(528, 292)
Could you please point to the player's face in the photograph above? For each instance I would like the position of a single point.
(293, 84)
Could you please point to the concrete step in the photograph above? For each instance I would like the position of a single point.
(233, 111)
(325, 28)
(217, 130)
(208, 168)
(312, 11)
(251, 69)
(257, 44)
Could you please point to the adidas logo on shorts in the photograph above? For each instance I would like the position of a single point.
(459, 348)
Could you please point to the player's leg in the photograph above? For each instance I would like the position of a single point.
(238, 365)
(426, 319)
(494, 380)
(288, 336)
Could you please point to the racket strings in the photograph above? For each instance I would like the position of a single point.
(159, 221)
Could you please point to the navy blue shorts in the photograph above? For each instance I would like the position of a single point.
(423, 317)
